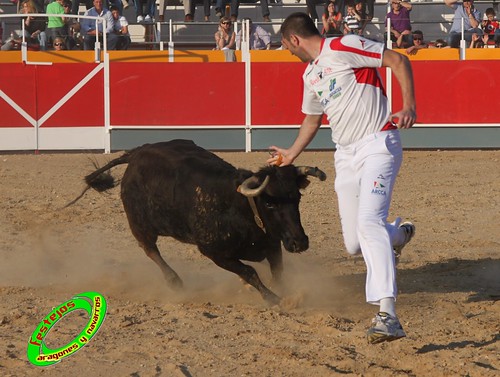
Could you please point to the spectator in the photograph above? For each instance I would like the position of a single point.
(439, 43)
(91, 34)
(225, 39)
(361, 10)
(56, 26)
(479, 41)
(72, 28)
(142, 7)
(220, 7)
(206, 8)
(418, 43)
(352, 20)
(259, 39)
(400, 23)
(471, 18)
(59, 44)
(311, 8)
(332, 20)
(121, 29)
(34, 30)
(490, 24)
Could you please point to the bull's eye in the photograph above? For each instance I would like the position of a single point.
(270, 205)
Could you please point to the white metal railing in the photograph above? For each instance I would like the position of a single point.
(24, 44)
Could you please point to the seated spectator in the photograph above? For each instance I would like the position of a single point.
(91, 34)
(352, 20)
(56, 26)
(332, 20)
(259, 39)
(34, 30)
(225, 39)
(478, 41)
(400, 23)
(418, 43)
(220, 8)
(471, 18)
(59, 44)
(144, 7)
(490, 24)
(121, 29)
(439, 43)
(72, 28)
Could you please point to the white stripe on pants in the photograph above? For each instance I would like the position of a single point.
(365, 175)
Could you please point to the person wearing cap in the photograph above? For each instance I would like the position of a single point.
(259, 38)
(471, 20)
(418, 43)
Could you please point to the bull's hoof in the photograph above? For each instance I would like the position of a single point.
(175, 283)
(272, 299)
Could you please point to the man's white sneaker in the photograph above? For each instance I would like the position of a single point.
(385, 328)
(409, 232)
(148, 18)
(140, 19)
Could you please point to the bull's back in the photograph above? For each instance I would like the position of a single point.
(172, 189)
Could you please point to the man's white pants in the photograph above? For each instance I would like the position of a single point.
(365, 175)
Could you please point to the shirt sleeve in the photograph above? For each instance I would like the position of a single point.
(358, 52)
(310, 101)
(110, 22)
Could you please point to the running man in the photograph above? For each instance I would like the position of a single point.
(341, 80)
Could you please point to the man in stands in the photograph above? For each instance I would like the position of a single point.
(471, 19)
(91, 34)
(400, 23)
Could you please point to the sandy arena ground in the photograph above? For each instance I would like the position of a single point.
(449, 280)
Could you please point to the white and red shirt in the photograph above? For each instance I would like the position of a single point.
(343, 83)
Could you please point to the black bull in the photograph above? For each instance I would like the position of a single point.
(180, 190)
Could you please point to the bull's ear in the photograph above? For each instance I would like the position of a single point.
(302, 182)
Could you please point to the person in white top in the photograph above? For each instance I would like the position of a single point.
(341, 81)
(121, 29)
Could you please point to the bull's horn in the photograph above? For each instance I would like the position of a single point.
(308, 170)
(246, 189)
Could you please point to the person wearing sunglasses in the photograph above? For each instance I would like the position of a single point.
(225, 37)
(58, 44)
(471, 20)
(418, 43)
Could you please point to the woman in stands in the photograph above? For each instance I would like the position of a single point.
(332, 21)
(34, 30)
(225, 37)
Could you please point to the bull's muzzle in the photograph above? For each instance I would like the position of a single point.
(296, 244)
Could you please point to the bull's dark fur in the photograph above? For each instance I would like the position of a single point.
(180, 190)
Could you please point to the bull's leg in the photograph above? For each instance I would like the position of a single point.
(275, 259)
(249, 275)
(170, 275)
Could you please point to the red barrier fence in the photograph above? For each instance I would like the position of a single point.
(43, 98)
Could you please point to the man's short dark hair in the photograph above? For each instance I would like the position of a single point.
(299, 23)
(113, 7)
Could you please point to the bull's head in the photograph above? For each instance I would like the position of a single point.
(277, 194)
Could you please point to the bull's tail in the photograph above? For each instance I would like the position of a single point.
(101, 180)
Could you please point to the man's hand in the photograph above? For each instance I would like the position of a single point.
(404, 118)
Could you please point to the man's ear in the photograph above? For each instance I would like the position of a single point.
(294, 40)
